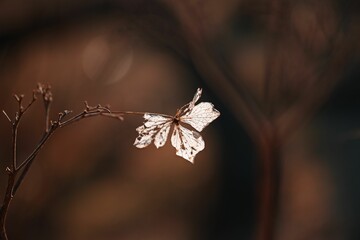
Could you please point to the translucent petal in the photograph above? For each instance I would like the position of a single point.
(162, 135)
(143, 141)
(186, 142)
(195, 99)
(200, 116)
(154, 119)
(155, 127)
(187, 107)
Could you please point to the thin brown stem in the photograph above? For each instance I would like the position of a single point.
(29, 160)
(9, 194)
(87, 114)
(41, 143)
(6, 203)
(14, 146)
(12, 170)
(26, 164)
(6, 115)
(140, 113)
(47, 118)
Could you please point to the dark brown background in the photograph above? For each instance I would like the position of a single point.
(293, 63)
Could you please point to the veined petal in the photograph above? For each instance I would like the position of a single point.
(200, 116)
(155, 127)
(143, 141)
(187, 142)
(154, 119)
(162, 135)
(195, 98)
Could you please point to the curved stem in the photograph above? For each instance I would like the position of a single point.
(7, 200)
(9, 194)
(27, 163)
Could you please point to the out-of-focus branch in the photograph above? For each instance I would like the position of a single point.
(211, 67)
(268, 130)
(319, 91)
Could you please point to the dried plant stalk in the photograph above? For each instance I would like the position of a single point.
(18, 169)
(198, 116)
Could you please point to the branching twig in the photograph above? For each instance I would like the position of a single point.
(6, 115)
(16, 173)
(45, 91)
(12, 170)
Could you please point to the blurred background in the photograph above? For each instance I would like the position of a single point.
(281, 162)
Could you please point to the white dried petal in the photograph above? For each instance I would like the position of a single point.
(186, 142)
(162, 135)
(201, 115)
(153, 125)
(195, 98)
(154, 119)
(143, 141)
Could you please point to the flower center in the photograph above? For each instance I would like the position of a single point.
(176, 120)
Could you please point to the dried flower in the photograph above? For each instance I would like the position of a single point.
(186, 142)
